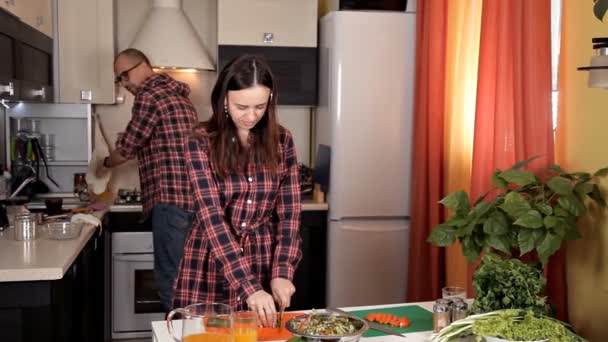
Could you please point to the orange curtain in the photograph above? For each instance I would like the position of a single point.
(464, 24)
(426, 272)
(513, 114)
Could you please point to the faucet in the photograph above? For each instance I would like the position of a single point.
(23, 185)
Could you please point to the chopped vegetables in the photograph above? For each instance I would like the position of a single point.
(385, 318)
(324, 325)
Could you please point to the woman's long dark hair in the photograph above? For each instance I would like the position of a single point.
(226, 152)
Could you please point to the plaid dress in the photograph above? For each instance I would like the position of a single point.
(162, 117)
(246, 230)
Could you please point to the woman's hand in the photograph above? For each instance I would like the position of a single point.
(282, 290)
(262, 303)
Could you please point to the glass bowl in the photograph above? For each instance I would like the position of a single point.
(63, 230)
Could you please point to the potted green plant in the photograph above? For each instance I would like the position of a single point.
(528, 212)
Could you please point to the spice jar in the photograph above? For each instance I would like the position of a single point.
(441, 316)
(460, 310)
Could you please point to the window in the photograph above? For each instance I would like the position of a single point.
(556, 19)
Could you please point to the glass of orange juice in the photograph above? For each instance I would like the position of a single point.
(245, 326)
(204, 322)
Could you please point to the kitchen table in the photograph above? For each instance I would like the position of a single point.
(161, 334)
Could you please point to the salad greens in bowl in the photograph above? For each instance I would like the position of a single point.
(325, 326)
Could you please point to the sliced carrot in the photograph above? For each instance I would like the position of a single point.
(389, 319)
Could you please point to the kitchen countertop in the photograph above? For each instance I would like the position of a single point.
(161, 334)
(40, 259)
(307, 205)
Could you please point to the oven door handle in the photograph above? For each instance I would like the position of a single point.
(133, 257)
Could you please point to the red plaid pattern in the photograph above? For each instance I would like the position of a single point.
(246, 230)
(162, 118)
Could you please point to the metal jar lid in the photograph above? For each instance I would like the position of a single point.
(24, 216)
(440, 307)
(444, 301)
(461, 306)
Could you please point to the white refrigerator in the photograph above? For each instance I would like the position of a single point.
(365, 115)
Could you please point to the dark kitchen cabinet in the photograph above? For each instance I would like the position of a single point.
(26, 61)
(66, 310)
(310, 276)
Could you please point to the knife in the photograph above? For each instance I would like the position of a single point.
(372, 325)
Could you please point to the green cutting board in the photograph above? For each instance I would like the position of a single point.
(420, 319)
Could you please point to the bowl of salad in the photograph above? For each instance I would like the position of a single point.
(325, 326)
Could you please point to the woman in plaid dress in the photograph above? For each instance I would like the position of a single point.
(244, 246)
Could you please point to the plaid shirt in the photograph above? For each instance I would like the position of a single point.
(246, 230)
(161, 119)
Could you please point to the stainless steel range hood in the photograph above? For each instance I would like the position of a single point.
(169, 40)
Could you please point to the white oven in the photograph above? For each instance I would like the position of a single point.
(135, 299)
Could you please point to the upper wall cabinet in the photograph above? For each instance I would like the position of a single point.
(26, 61)
(36, 13)
(268, 22)
(284, 32)
(85, 51)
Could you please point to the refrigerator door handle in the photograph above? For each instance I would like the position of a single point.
(354, 228)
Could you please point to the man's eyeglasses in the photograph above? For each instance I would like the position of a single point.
(124, 76)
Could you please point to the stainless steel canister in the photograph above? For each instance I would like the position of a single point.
(25, 227)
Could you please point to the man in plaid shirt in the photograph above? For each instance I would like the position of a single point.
(162, 117)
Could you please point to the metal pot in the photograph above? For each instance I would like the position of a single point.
(359, 324)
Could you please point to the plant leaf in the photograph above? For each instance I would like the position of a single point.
(481, 209)
(457, 201)
(466, 230)
(550, 221)
(531, 219)
(458, 221)
(583, 188)
(442, 235)
(556, 168)
(515, 205)
(548, 246)
(523, 163)
(600, 8)
(500, 242)
(519, 177)
(544, 208)
(561, 212)
(567, 230)
(499, 182)
(572, 204)
(470, 249)
(481, 198)
(560, 185)
(582, 176)
(496, 224)
(597, 196)
(604, 171)
(526, 239)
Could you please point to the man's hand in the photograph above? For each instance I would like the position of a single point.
(282, 290)
(261, 302)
